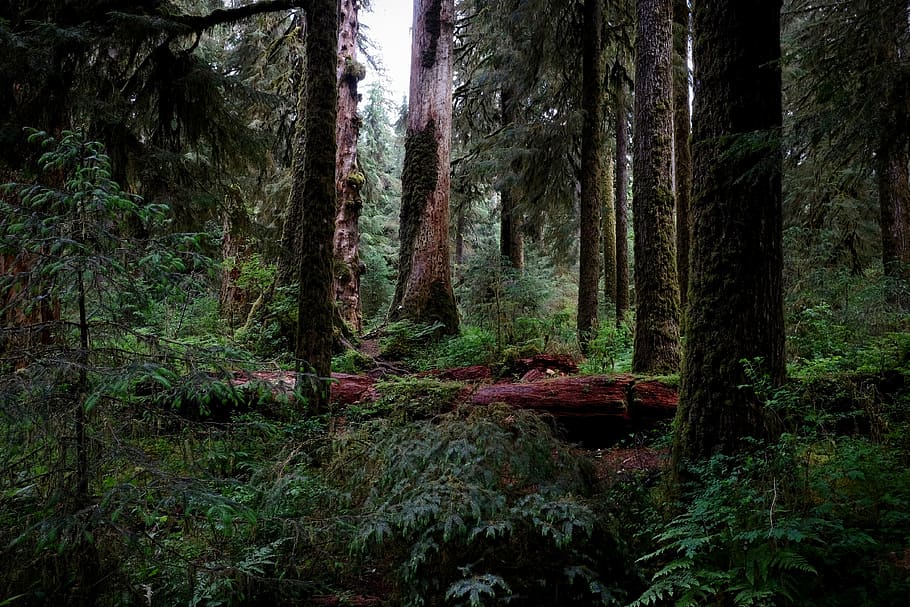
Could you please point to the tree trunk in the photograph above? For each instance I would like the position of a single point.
(423, 292)
(892, 155)
(348, 177)
(622, 204)
(313, 190)
(656, 348)
(894, 199)
(609, 231)
(511, 241)
(592, 182)
(288, 256)
(736, 304)
(233, 299)
(682, 151)
(460, 227)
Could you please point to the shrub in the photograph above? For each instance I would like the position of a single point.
(481, 507)
(793, 523)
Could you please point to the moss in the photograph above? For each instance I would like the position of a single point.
(418, 179)
(354, 70)
(356, 179)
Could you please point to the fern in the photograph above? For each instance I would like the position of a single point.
(484, 489)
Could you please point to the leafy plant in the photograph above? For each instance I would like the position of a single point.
(482, 506)
(784, 525)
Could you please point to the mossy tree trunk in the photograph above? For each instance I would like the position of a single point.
(892, 154)
(894, 200)
(288, 257)
(682, 154)
(233, 300)
(348, 177)
(592, 181)
(313, 190)
(735, 296)
(621, 198)
(608, 229)
(656, 348)
(423, 292)
(511, 240)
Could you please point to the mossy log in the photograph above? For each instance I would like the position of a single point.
(595, 410)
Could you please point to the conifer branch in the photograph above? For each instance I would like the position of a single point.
(222, 16)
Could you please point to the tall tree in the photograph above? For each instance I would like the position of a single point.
(736, 306)
(592, 180)
(424, 289)
(621, 197)
(682, 154)
(313, 191)
(850, 140)
(608, 230)
(656, 348)
(891, 151)
(511, 239)
(349, 179)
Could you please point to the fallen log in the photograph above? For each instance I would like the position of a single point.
(575, 396)
(594, 410)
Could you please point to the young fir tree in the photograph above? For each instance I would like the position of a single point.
(424, 292)
(850, 151)
(735, 307)
(656, 348)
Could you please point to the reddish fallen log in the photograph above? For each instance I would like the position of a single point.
(346, 389)
(575, 396)
(591, 409)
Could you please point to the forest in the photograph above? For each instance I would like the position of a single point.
(610, 310)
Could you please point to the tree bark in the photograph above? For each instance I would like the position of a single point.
(622, 204)
(232, 299)
(348, 177)
(592, 182)
(609, 232)
(313, 190)
(736, 303)
(894, 200)
(423, 292)
(288, 256)
(892, 155)
(511, 241)
(656, 348)
(682, 153)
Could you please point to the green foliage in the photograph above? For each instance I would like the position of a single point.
(381, 153)
(473, 346)
(352, 361)
(611, 350)
(482, 506)
(412, 398)
(404, 338)
(496, 297)
(793, 523)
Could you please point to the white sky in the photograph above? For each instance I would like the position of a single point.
(389, 26)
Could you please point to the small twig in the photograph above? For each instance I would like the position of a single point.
(771, 512)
